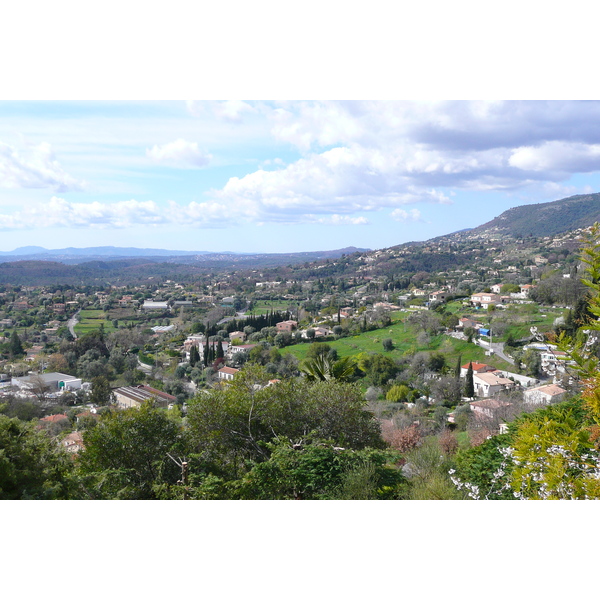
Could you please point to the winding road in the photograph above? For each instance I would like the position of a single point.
(72, 322)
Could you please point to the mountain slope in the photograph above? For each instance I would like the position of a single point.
(549, 218)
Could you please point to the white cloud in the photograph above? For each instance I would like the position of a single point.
(342, 180)
(557, 156)
(38, 168)
(58, 212)
(402, 215)
(339, 220)
(180, 153)
(309, 124)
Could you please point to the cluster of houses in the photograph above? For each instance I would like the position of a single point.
(489, 382)
(493, 297)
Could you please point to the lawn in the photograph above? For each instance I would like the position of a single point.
(263, 307)
(90, 320)
(404, 340)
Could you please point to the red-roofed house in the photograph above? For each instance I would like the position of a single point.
(490, 384)
(477, 368)
(73, 442)
(544, 394)
(286, 326)
(227, 373)
(488, 408)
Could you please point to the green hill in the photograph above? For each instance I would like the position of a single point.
(549, 218)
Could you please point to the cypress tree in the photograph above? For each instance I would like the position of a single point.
(15, 347)
(194, 356)
(457, 368)
(469, 385)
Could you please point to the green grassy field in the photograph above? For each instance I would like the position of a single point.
(90, 320)
(525, 316)
(263, 307)
(404, 340)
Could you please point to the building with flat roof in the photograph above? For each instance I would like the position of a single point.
(56, 382)
(148, 305)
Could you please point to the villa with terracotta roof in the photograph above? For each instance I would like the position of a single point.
(544, 394)
(490, 384)
(477, 368)
(488, 408)
(227, 373)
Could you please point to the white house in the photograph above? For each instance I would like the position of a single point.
(488, 408)
(490, 384)
(484, 299)
(227, 373)
(544, 394)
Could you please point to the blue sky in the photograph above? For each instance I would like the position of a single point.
(282, 176)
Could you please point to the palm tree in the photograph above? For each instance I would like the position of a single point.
(323, 368)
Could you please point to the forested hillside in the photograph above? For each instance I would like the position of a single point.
(549, 218)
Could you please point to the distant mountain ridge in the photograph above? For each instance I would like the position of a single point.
(545, 219)
(153, 255)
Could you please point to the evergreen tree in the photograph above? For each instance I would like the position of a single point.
(101, 393)
(194, 356)
(469, 385)
(15, 346)
(457, 368)
(220, 353)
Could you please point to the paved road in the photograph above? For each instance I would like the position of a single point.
(144, 367)
(498, 349)
(72, 322)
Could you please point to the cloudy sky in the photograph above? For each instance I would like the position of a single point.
(282, 176)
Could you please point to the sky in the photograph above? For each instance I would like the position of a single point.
(284, 175)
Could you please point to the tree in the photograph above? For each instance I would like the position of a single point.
(436, 362)
(429, 479)
(127, 454)
(323, 368)
(232, 424)
(15, 347)
(57, 363)
(447, 391)
(194, 356)
(469, 385)
(457, 367)
(39, 388)
(398, 393)
(318, 349)
(533, 362)
(316, 469)
(388, 344)
(101, 393)
(32, 466)
(380, 369)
